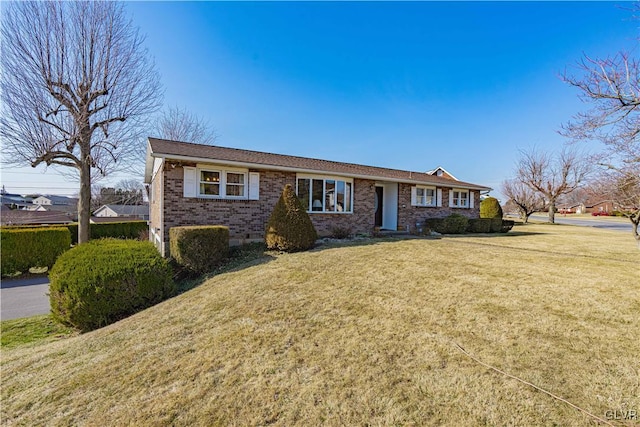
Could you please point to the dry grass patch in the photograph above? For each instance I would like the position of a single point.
(362, 334)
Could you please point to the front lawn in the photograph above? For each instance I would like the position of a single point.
(365, 333)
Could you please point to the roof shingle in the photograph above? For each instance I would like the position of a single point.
(184, 150)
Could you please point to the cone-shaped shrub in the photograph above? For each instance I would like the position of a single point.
(289, 228)
(490, 208)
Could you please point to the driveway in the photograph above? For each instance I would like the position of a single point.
(614, 223)
(24, 297)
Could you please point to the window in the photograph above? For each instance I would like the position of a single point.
(235, 184)
(210, 183)
(423, 196)
(222, 184)
(460, 199)
(326, 195)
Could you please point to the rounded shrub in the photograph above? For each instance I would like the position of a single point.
(490, 208)
(289, 228)
(199, 248)
(102, 281)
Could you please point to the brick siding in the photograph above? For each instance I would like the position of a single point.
(247, 219)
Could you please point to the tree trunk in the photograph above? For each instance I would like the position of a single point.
(635, 219)
(84, 203)
(552, 211)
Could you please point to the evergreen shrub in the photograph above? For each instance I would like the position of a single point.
(289, 228)
(102, 281)
(490, 208)
(199, 248)
(23, 248)
(479, 225)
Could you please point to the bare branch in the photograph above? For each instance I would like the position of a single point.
(69, 70)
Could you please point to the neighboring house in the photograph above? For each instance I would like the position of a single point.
(194, 184)
(140, 212)
(15, 201)
(53, 203)
(591, 206)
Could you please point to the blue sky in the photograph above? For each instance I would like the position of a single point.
(407, 85)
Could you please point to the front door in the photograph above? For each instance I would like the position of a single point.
(378, 206)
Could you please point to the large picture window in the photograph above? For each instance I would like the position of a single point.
(325, 195)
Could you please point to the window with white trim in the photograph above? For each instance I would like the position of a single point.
(460, 198)
(423, 196)
(221, 183)
(325, 194)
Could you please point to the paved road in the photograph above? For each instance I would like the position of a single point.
(607, 223)
(24, 297)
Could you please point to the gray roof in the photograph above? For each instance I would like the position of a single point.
(162, 148)
(127, 210)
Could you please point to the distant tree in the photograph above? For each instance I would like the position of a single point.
(552, 176)
(526, 200)
(125, 192)
(178, 124)
(76, 83)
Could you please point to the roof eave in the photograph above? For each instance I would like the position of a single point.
(454, 184)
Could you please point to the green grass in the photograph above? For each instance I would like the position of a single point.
(36, 329)
(363, 333)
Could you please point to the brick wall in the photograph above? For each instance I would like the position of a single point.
(247, 219)
(414, 214)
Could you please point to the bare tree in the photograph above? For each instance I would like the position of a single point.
(178, 124)
(552, 176)
(612, 87)
(76, 83)
(622, 187)
(526, 200)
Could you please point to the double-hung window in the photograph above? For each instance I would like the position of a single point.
(460, 198)
(325, 195)
(423, 196)
(222, 183)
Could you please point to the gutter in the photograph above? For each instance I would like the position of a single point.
(454, 184)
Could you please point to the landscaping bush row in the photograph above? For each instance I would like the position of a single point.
(459, 224)
(23, 248)
(117, 230)
(103, 281)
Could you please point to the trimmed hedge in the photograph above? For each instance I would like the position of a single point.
(117, 230)
(479, 225)
(453, 224)
(507, 225)
(496, 225)
(102, 281)
(199, 248)
(289, 228)
(23, 248)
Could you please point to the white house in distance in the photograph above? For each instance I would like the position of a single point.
(140, 212)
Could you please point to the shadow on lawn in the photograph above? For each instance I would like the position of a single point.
(240, 257)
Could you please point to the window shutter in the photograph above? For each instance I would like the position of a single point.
(471, 199)
(254, 186)
(414, 196)
(439, 197)
(450, 198)
(189, 185)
